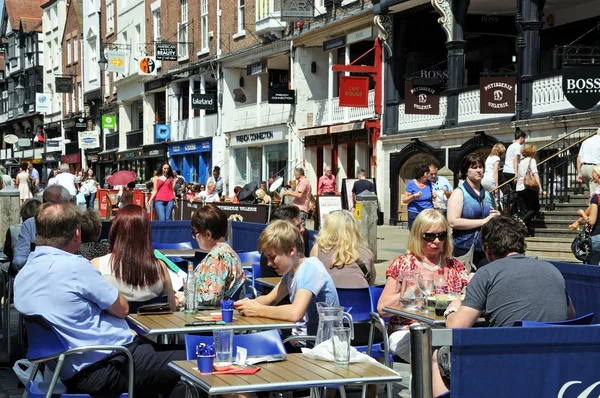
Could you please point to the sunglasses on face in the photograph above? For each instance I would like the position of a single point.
(431, 236)
(194, 234)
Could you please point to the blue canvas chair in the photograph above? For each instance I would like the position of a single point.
(45, 344)
(173, 246)
(582, 320)
(260, 343)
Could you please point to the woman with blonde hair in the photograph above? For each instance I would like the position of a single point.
(529, 197)
(344, 252)
(490, 180)
(429, 250)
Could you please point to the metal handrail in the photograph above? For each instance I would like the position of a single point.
(559, 152)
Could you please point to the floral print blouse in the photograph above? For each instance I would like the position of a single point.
(456, 277)
(218, 275)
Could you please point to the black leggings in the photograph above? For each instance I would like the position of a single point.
(529, 204)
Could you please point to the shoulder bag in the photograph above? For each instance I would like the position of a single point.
(467, 258)
(582, 244)
(363, 268)
(529, 180)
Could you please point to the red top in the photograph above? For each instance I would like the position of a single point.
(164, 191)
(326, 185)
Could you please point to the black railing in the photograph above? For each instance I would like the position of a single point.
(135, 139)
(112, 141)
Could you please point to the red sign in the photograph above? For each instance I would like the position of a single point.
(72, 158)
(354, 91)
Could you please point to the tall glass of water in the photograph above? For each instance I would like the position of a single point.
(426, 286)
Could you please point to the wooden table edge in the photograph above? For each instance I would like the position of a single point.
(409, 315)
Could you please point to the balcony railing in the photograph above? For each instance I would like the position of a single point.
(548, 97)
(135, 138)
(257, 115)
(321, 114)
(112, 141)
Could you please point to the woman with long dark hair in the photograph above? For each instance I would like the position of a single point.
(89, 187)
(131, 266)
(418, 195)
(163, 194)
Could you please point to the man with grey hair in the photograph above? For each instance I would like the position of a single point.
(302, 194)
(67, 180)
(6, 180)
(27, 236)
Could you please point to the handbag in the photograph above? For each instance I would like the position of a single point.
(467, 258)
(155, 309)
(80, 198)
(582, 244)
(529, 179)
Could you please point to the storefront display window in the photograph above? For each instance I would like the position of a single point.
(255, 160)
(240, 166)
(276, 157)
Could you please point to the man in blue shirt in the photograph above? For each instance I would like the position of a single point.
(86, 310)
(442, 189)
(35, 177)
(26, 240)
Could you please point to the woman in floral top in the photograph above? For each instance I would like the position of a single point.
(429, 249)
(220, 273)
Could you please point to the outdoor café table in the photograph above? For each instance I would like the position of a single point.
(182, 253)
(295, 372)
(428, 317)
(274, 280)
(169, 324)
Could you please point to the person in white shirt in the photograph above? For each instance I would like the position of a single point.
(217, 179)
(67, 180)
(52, 179)
(589, 156)
(491, 175)
(211, 194)
(513, 156)
(529, 197)
(441, 187)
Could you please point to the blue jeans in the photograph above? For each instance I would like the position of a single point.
(594, 257)
(411, 219)
(90, 199)
(164, 209)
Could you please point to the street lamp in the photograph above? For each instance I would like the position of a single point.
(103, 62)
(20, 89)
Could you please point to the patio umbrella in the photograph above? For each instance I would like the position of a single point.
(122, 177)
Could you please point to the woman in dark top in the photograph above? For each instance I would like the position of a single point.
(91, 226)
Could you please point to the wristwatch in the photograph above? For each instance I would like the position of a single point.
(449, 311)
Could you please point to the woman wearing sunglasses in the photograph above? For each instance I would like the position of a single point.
(429, 249)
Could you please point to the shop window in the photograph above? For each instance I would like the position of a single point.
(351, 163)
(240, 177)
(276, 157)
(255, 163)
(160, 107)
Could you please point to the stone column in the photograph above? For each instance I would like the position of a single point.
(529, 25)
(453, 14)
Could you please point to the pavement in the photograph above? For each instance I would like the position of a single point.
(391, 242)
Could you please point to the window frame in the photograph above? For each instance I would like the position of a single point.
(204, 39)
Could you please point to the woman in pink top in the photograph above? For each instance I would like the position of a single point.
(163, 194)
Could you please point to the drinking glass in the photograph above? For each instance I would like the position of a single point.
(223, 346)
(341, 346)
(426, 286)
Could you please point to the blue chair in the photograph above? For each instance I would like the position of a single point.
(134, 305)
(261, 343)
(255, 275)
(249, 257)
(582, 320)
(45, 344)
(172, 246)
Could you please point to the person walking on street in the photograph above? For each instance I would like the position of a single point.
(163, 194)
(34, 175)
(589, 156)
(418, 194)
(89, 187)
(302, 194)
(23, 185)
(529, 197)
(441, 189)
(361, 185)
(513, 156)
(491, 176)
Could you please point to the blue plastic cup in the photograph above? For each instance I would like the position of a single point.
(227, 315)
(205, 363)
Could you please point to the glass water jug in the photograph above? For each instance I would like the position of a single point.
(331, 317)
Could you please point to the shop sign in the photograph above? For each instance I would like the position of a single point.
(581, 86)
(52, 143)
(129, 155)
(340, 128)
(353, 136)
(50, 157)
(246, 213)
(116, 61)
(497, 94)
(354, 91)
(147, 66)
(166, 51)
(359, 35)
(81, 124)
(279, 78)
(106, 157)
(109, 122)
(332, 44)
(162, 132)
(155, 152)
(256, 138)
(421, 100)
(208, 102)
(94, 158)
(63, 85)
(257, 68)
(281, 96)
(312, 132)
(317, 140)
(24, 142)
(155, 84)
(73, 158)
(89, 139)
(43, 103)
(192, 147)
(297, 10)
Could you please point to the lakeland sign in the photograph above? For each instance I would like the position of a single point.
(581, 86)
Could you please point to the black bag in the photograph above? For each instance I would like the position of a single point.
(582, 244)
(155, 309)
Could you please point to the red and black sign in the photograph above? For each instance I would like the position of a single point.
(421, 99)
(497, 94)
(581, 86)
(354, 91)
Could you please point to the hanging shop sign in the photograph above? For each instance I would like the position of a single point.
(257, 138)
(497, 94)
(147, 66)
(282, 96)
(162, 132)
(63, 85)
(208, 102)
(581, 86)
(421, 99)
(24, 142)
(257, 68)
(354, 91)
(109, 122)
(297, 10)
(116, 61)
(43, 103)
(81, 124)
(89, 139)
(166, 51)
